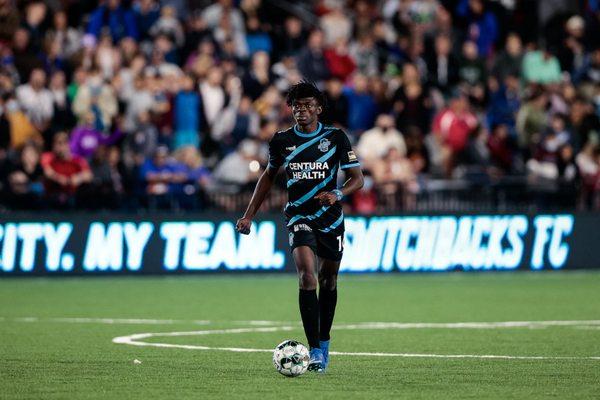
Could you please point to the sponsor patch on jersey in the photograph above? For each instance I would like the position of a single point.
(324, 145)
(302, 227)
(351, 156)
(291, 148)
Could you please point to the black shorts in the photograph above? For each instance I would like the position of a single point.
(329, 245)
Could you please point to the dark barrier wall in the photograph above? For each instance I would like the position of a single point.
(84, 244)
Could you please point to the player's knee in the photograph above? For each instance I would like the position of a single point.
(328, 281)
(307, 281)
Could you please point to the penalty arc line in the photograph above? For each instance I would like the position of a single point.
(137, 340)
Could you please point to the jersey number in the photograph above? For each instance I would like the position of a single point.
(340, 240)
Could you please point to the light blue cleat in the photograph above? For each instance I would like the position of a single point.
(325, 349)
(316, 360)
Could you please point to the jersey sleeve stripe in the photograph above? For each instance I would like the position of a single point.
(356, 164)
(325, 157)
(314, 190)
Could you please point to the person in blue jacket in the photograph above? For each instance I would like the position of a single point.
(114, 18)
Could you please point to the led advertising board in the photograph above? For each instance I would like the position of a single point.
(114, 244)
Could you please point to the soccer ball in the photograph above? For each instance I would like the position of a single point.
(291, 358)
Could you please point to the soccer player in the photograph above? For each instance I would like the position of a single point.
(311, 154)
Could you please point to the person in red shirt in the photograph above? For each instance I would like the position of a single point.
(452, 127)
(64, 172)
(340, 63)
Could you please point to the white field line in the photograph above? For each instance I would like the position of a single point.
(362, 325)
(109, 321)
(137, 340)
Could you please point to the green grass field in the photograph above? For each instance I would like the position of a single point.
(53, 346)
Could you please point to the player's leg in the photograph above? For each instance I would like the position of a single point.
(304, 258)
(330, 248)
(328, 273)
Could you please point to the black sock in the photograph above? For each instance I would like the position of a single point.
(327, 302)
(309, 311)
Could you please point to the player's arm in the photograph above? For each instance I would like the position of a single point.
(354, 182)
(351, 166)
(263, 187)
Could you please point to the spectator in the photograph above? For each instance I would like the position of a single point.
(86, 139)
(583, 120)
(361, 105)
(69, 38)
(63, 117)
(146, 12)
(162, 178)
(571, 50)
(452, 127)
(214, 15)
(240, 168)
(501, 149)
(168, 25)
(21, 129)
(226, 22)
(376, 142)
(510, 60)
(443, 66)
(285, 73)
(106, 188)
(97, 96)
(365, 55)
(481, 25)
(311, 59)
(411, 103)
(257, 39)
(393, 174)
(187, 114)
(34, 22)
(64, 173)
(471, 72)
(24, 57)
(540, 66)
(9, 20)
(198, 178)
(258, 77)
(291, 38)
(531, 120)
(120, 21)
(339, 62)
(213, 95)
(336, 112)
(36, 101)
(475, 159)
(236, 124)
(141, 144)
(336, 25)
(504, 102)
(589, 71)
(25, 179)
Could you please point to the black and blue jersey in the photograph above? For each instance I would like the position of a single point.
(312, 161)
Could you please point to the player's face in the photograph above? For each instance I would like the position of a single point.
(306, 110)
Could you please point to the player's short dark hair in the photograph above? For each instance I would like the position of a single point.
(302, 90)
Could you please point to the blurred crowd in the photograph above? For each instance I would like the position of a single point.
(117, 104)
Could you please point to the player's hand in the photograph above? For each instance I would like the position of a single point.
(326, 198)
(243, 225)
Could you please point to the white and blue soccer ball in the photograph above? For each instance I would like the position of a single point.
(291, 358)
